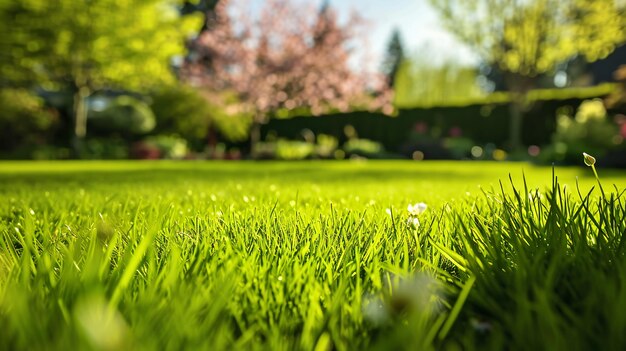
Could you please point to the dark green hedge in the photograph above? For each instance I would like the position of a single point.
(482, 123)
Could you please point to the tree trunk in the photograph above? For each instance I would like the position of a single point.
(518, 87)
(515, 127)
(80, 118)
(255, 137)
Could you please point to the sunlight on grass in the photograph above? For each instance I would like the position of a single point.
(315, 255)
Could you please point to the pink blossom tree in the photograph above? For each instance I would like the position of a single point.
(284, 60)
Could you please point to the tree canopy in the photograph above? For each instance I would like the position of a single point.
(283, 60)
(394, 57)
(83, 46)
(526, 38)
(531, 37)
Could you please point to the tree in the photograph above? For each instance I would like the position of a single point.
(528, 38)
(421, 83)
(283, 61)
(23, 119)
(83, 46)
(205, 7)
(394, 57)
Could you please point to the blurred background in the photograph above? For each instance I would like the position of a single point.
(538, 80)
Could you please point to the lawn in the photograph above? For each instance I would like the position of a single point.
(310, 255)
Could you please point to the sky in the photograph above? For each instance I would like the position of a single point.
(422, 33)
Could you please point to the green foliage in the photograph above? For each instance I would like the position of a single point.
(326, 145)
(293, 150)
(181, 110)
(420, 83)
(105, 149)
(98, 43)
(222, 255)
(459, 147)
(323, 147)
(23, 119)
(125, 115)
(363, 147)
(184, 111)
(84, 46)
(393, 58)
(231, 117)
(591, 131)
(531, 37)
(170, 146)
(484, 122)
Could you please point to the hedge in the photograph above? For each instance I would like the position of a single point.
(483, 123)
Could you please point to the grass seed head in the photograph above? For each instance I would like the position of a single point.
(589, 160)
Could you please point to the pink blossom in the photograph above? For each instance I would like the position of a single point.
(285, 59)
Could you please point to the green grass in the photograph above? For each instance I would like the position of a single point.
(168, 255)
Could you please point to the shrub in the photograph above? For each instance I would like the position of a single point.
(24, 119)
(186, 112)
(125, 115)
(589, 131)
(363, 147)
(105, 148)
(483, 122)
(169, 146)
(183, 111)
(458, 147)
(326, 146)
(293, 150)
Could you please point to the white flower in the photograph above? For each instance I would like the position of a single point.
(413, 222)
(388, 211)
(417, 209)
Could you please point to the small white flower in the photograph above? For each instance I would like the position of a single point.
(413, 222)
(388, 211)
(417, 209)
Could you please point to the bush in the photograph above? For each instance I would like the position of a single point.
(186, 112)
(125, 115)
(104, 149)
(363, 147)
(24, 120)
(589, 131)
(293, 150)
(326, 146)
(483, 123)
(322, 146)
(458, 147)
(169, 146)
(183, 111)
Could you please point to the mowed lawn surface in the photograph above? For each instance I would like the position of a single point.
(354, 183)
(310, 255)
